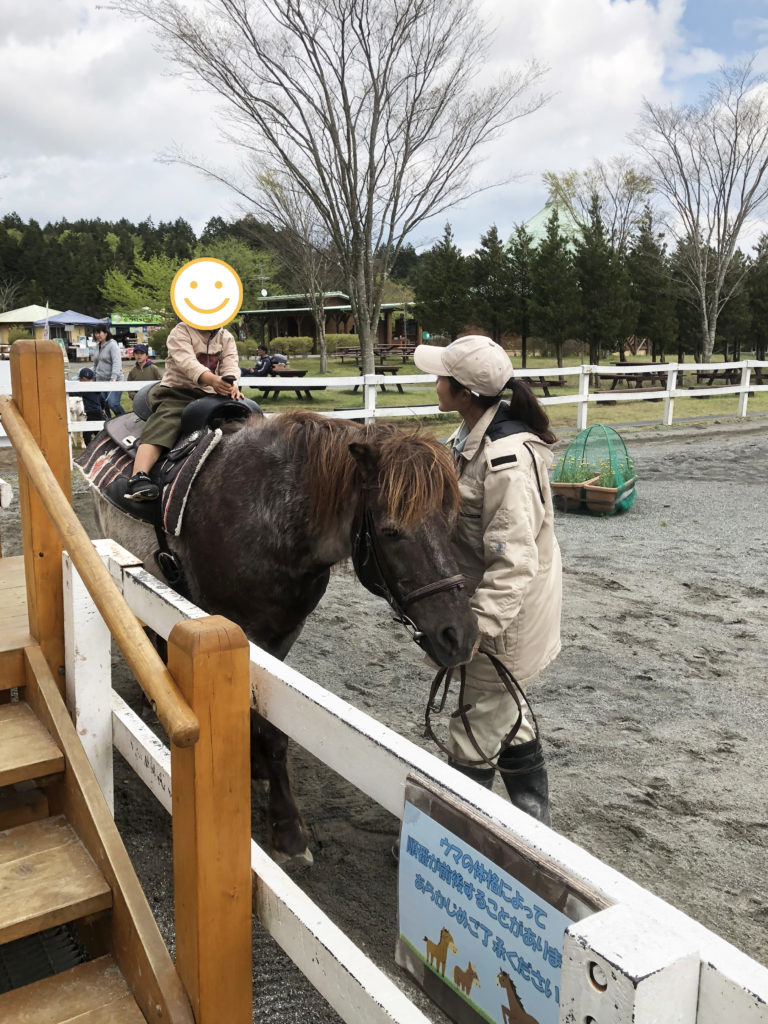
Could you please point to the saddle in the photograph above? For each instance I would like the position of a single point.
(107, 464)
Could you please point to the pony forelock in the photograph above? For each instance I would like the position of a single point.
(416, 475)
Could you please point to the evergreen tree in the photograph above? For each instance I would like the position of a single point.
(735, 320)
(651, 287)
(521, 253)
(492, 285)
(443, 303)
(555, 292)
(606, 310)
(757, 290)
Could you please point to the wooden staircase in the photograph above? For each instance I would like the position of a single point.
(63, 866)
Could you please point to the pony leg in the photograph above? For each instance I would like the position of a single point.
(287, 834)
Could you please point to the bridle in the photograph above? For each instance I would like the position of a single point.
(372, 571)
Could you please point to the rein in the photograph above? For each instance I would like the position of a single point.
(370, 566)
(443, 678)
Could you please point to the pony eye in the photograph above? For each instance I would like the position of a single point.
(390, 532)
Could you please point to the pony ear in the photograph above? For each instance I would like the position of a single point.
(367, 460)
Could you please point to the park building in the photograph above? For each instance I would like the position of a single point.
(289, 316)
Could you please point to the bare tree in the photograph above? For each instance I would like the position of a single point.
(9, 293)
(710, 163)
(305, 249)
(621, 191)
(367, 106)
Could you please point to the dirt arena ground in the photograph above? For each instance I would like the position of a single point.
(654, 716)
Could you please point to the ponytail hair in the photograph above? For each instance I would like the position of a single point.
(523, 406)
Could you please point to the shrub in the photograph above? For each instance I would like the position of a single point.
(332, 341)
(17, 333)
(292, 346)
(248, 349)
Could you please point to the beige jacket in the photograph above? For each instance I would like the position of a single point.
(507, 549)
(182, 367)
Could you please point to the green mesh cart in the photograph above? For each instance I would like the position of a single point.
(595, 474)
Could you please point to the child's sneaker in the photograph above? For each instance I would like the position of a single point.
(141, 488)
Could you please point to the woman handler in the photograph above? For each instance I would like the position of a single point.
(507, 550)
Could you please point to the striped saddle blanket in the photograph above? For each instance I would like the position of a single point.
(107, 467)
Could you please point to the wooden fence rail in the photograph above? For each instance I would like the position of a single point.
(212, 821)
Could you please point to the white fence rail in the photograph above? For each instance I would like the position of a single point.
(587, 395)
(659, 965)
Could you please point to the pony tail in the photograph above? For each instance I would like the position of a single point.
(526, 407)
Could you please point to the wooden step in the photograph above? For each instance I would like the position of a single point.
(26, 748)
(46, 878)
(92, 993)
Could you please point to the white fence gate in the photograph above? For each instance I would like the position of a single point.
(640, 960)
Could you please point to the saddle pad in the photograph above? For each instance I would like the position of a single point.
(107, 467)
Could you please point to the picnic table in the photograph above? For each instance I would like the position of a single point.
(274, 390)
(383, 371)
(637, 379)
(348, 352)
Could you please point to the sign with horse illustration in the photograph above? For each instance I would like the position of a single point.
(481, 919)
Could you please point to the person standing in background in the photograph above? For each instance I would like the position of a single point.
(108, 365)
(144, 369)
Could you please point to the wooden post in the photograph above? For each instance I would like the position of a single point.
(37, 381)
(622, 967)
(669, 401)
(209, 659)
(89, 678)
(583, 399)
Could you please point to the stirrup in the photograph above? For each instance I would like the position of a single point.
(141, 488)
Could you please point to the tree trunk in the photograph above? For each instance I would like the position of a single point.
(524, 350)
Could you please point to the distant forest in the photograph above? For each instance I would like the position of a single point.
(556, 290)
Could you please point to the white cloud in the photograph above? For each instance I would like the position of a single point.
(86, 106)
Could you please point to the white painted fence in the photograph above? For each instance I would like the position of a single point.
(639, 961)
(583, 399)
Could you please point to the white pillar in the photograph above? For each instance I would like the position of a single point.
(621, 966)
(369, 391)
(88, 667)
(669, 402)
(582, 411)
(746, 370)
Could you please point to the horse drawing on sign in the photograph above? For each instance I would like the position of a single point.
(277, 503)
(438, 951)
(515, 1012)
(464, 980)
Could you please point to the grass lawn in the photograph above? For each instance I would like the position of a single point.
(563, 417)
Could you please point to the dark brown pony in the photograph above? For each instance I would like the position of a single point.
(277, 504)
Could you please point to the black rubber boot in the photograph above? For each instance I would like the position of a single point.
(482, 776)
(528, 788)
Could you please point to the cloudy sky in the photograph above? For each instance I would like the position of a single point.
(87, 104)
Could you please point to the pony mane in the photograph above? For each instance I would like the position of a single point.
(416, 475)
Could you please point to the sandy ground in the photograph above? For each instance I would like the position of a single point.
(653, 716)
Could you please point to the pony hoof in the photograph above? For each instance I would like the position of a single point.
(293, 860)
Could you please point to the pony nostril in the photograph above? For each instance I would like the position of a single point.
(450, 639)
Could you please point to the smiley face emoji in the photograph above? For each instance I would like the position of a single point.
(206, 293)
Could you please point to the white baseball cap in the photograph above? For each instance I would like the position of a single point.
(476, 362)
